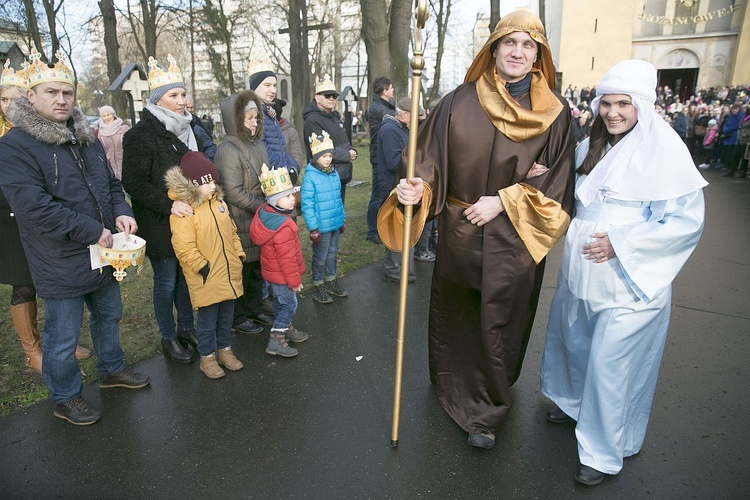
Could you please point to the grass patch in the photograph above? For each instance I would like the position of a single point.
(21, 387)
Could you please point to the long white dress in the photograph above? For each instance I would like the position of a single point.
(608, 322)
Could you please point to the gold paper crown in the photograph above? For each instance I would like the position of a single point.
(40, 72)
(256, 66)
(325, 85)
(316, 145)
(18, 78)
(158, 76)
(274, 181)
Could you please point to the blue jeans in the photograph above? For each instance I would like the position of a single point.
(214, 327)
(324, 257)
(284, 304)
(62, 326)
(170, 290)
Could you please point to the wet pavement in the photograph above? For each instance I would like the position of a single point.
(318, 425)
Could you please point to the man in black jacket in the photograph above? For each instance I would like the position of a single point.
(381, 106)
(66, 198)
(320, 116)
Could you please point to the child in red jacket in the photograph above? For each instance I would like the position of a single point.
(281, 261)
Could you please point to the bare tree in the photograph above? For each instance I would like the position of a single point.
(219, 29)
(112, 49)
(441, 10)
(386, 35)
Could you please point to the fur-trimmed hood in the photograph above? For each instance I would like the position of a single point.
(233, 115)
(180, 188)
(24, 117)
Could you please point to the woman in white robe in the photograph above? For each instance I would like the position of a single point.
(639, 215)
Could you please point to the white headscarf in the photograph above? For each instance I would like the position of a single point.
(651, 162)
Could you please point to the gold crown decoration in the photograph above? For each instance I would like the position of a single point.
(274, 181)
(325, 85)
(158, 76)
(15, 78)
(127, 250)
(258, 66)
(316, 145)
(40, 72)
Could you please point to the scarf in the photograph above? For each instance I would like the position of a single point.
(179, 125)
(111, 128)
(510, 118)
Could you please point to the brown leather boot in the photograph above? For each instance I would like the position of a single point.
(24, 320)
(228, 360)
(210, 367)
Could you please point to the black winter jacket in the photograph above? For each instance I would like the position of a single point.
(148, 151)
(317, 120)
(63, 194)
(379, 108)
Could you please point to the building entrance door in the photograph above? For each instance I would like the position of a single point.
(682, 81)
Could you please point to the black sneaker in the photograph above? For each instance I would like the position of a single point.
(247, 327)
(77, 411)
(320, 294)
(126, 378)
(333, 288)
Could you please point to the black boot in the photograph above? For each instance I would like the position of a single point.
(172, 349)
(188, 336)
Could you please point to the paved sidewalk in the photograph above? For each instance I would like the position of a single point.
(318, 426)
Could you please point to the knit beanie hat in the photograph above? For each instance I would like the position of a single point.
(198, 169)
(107, 110)
(258, 78)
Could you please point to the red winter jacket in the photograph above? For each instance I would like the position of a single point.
(281, 259)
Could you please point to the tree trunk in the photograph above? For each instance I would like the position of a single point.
(399, 36)
(34, 27)
(51, 11)
(542, 15)
(148, 16)
(443, 13)
(494, 14)
(112, 48)
(375, 35)
(299, 61)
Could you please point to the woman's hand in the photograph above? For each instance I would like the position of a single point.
(181, 209)
(600, 250)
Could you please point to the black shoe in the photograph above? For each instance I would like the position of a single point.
(333, 288)
(77, 411)
(172, 349)
(262, 318)
(397, 278)
(589, 476)
(268, 308)
(485, 440)
(126, 378)
(320, 294)
(557, 416)
(728, 173)
(247, 326)
(375, 239)
(188, 336)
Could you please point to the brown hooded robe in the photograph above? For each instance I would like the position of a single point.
(486, 281)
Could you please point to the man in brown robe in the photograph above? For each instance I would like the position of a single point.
(495, 165)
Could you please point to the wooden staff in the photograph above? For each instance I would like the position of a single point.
(417, 64)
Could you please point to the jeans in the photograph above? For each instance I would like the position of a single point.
(170, 290)
(215, 327)
(284, 304)
(376, 201)
(392, 263)
(62, 326)
(250, 303)
(324, 257)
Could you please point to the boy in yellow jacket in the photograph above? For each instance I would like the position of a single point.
(210, 253)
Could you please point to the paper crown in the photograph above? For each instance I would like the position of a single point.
(18, 78)
(158, 76)
(316, 145)
(256, 66)
(274, 181)
(40, 72)
(325, 85)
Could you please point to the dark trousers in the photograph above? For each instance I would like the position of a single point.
(250, 303)
(214, 327)
(376, 201)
